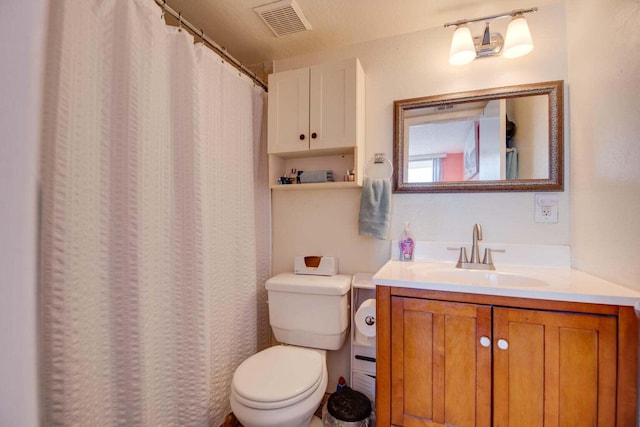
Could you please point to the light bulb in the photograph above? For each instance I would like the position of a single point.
(518, 41)
(462, 50)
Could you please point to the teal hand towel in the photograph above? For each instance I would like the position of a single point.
(375, 208)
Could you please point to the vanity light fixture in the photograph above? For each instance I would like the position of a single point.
(465, 48)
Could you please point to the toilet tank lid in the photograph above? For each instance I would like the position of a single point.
(306, 284)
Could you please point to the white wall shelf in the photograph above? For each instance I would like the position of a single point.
(315, 186)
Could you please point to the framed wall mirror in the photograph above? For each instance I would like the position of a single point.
(501, 139)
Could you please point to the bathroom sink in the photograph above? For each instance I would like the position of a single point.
(480, 278)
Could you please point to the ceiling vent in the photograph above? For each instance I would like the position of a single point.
(283, 17)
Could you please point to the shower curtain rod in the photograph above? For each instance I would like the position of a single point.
(213, 45)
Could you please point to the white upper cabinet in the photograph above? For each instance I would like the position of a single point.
(317, 108)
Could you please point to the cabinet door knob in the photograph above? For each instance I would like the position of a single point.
(503, 344)
(314, 135)
(485, 341)
(302, 137)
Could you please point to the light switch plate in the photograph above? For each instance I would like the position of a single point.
(545, 207)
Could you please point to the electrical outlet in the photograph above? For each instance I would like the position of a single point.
(545, 208)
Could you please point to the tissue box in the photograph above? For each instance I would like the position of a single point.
(316, 265)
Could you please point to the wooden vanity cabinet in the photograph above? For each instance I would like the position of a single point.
(451, 359)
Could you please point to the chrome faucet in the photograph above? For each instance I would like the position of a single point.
(474, 262)
(475, 250)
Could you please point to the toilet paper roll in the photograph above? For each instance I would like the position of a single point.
(365, 318)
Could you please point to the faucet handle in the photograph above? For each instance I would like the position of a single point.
(462, 258)
(487, 259)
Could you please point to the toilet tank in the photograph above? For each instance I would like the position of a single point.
(309, 311)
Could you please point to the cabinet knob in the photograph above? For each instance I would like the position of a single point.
(302, 137)
(503, 344)
(314, 135)
(485, 341)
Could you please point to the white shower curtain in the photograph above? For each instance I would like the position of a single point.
(154, 237)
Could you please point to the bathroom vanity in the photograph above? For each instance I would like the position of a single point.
(519, 346)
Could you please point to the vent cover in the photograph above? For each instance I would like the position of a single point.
(283, 17)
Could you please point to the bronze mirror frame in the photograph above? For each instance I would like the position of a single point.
(553, 89)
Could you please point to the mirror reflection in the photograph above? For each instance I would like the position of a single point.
(496, 139)
(485, 140)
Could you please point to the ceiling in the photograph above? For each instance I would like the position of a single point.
(234, 25)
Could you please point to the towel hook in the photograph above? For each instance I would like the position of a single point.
(378, 159)
(179, 21)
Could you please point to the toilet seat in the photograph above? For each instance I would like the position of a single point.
(278, 377)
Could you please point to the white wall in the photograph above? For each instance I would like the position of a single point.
(325, 222)
(604, 79)
(22, 27)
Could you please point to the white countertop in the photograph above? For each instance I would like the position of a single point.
(558, 283)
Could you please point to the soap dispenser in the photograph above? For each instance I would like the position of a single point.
(407, 244)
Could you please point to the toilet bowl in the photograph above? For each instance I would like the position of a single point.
(281, 386)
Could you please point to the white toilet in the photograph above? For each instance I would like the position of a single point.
(283, 385)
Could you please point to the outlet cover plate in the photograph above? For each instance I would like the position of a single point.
(545, 208)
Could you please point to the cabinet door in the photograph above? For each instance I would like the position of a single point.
(440, 371)
(554, 369)
(288, 111)
(333, 107)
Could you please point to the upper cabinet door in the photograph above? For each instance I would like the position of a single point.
(288, 111)
(333, 110)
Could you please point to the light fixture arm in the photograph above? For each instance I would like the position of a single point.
(491, 17)
(486, 37)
